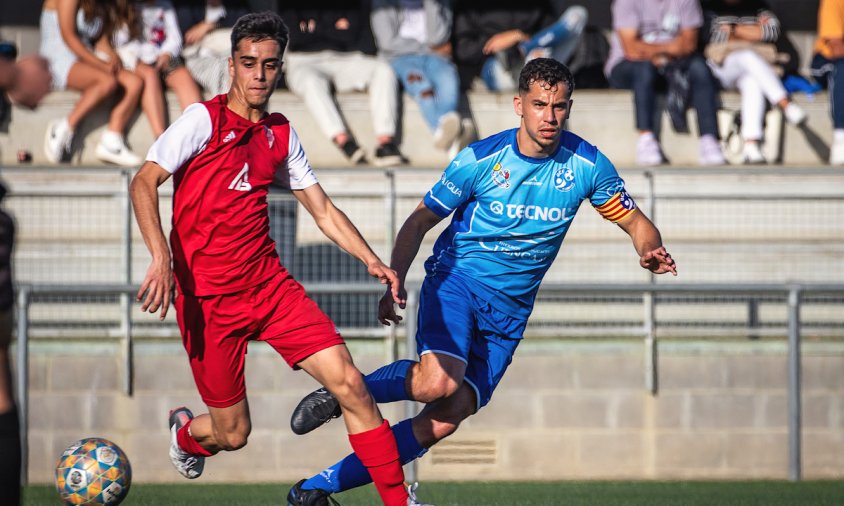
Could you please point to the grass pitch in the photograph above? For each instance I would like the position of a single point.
(593, 493)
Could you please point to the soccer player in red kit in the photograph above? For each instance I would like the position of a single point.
(223, 154)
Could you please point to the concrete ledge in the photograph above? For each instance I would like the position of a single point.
(603, 117)
(565, 410)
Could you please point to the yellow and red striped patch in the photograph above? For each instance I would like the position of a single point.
(618, 207)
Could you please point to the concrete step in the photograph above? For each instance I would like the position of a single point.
(603, 117)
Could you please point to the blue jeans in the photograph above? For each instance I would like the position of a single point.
(826, 72)
(643, 78)
(557, 41)
(432, 81)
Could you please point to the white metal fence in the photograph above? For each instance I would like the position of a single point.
(734, 226)
(752, 246)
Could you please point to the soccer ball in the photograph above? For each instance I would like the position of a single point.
(93, 471)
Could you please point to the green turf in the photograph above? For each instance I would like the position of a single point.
(737, 493)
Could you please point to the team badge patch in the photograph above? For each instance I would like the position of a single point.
(270, 135)
(501, 176)
(626, 201)
(564, 179)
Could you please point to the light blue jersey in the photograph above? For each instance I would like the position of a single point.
(511, 213)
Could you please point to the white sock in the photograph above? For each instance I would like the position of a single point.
(838, 135)
(646, 136)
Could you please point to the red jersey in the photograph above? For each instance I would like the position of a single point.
(223, 165)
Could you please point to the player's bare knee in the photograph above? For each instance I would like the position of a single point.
(443, 428)
(438, 386)
(351, 390)
(233, 440)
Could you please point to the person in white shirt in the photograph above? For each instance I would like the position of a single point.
(154, 54)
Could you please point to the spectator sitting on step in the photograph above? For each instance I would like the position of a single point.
(828, 66)
(69, 31)
(493, 39)
(731, 26)
(414, 37)
(150, 44)
(331, 50)
(653, 39)
(206, 25)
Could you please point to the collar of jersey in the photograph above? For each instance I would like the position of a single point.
(515, 144)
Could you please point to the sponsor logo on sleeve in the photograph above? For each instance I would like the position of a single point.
(450, 186)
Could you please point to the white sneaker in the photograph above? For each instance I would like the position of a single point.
(794, 114)
(710, 151)
(752, 155)
(112, 149)
(836, 153)
(412, 500)
(189, 466)
(57, 140)
(648, 151)
(448, 129)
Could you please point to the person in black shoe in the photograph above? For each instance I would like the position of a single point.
(331, 50)
(10, 442)
(513, 197)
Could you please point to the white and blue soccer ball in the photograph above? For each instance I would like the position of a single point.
(93, 471)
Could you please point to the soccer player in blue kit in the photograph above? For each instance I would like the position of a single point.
(513, 196)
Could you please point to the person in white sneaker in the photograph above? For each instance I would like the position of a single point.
(730, 26)
(827, 64)
(69, 31)
(648, 35)
(414, 37)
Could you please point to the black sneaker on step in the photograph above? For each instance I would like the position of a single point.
(353, 152)
(388, 155)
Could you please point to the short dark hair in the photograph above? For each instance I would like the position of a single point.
(259, 26)
(545, 70)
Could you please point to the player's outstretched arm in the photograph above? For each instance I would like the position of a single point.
(648, 243)
(339, 228)
(407, 244)
(158, 282)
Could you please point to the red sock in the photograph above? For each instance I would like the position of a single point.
(188, 443)
(378, 452)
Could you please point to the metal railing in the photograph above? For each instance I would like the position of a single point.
(648, 331)
(82, 232)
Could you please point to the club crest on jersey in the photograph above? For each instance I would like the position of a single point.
(500, 176)
(241, 181)
(270, 135)
(564, 179)
(626, 200)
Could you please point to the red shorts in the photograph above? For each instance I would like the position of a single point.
(216, 329)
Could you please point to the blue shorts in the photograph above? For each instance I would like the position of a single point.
(455, 322)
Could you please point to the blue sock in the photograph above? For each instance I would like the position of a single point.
(350, 473)
(387, 383)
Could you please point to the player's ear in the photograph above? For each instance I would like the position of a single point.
(231, 68)
(517, 105)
